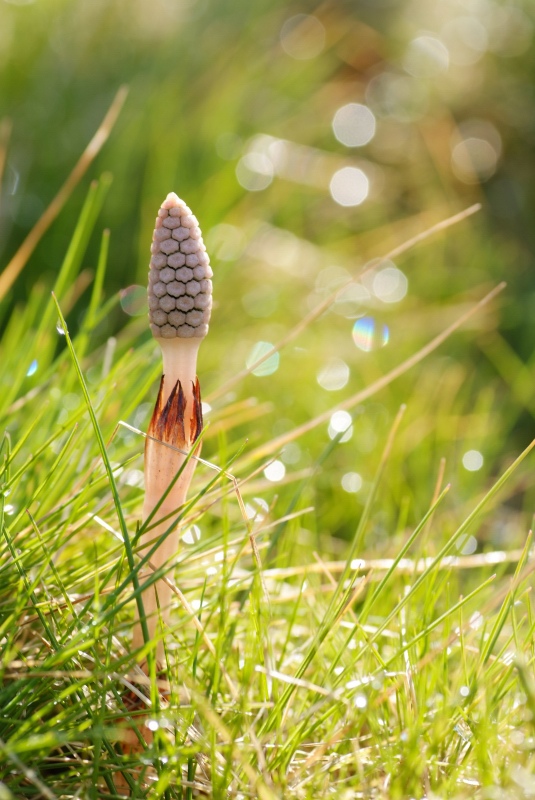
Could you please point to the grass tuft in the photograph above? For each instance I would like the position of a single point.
(373, 644)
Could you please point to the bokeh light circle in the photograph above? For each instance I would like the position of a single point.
(267, 367)
(349, 186)
(340, 423)
(354, 125)
(133, 300)
(474, 160)
(426, 57)
(390, 285)
(334, 375)
(303, 37)
(254, 171)
(473, 460)
(351, 482)
(370, 334)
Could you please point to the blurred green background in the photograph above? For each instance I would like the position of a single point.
(308, 139)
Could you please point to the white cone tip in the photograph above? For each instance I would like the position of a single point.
(171, 200)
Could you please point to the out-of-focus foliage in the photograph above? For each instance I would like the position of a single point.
(448, 84)
(308, 139)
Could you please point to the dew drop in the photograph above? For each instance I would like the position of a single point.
(32, 369)
(60, 329)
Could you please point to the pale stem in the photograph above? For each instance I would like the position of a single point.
(180, 364)
(161, 465)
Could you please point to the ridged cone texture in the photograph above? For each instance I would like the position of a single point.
(180, 289)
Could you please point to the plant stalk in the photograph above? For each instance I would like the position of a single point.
(180, 301)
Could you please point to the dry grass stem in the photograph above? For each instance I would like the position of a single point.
(18, 261)
(331, 299)
(278, 443)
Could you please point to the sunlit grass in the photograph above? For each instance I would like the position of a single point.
(353, 588)
(304, 666)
